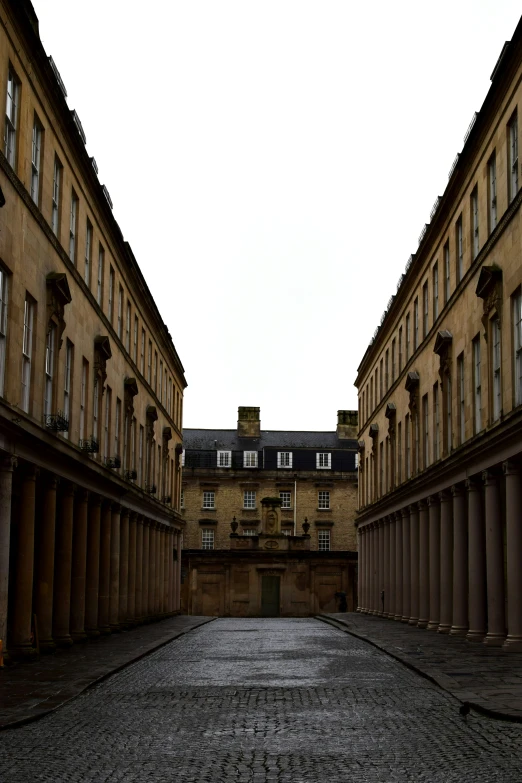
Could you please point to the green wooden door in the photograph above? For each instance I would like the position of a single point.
(270, 588)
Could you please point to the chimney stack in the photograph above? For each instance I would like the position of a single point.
(248, 422)
(347, 424)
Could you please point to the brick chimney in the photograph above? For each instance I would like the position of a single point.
(248, 422)
(347, 424)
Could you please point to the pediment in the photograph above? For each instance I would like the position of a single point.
(442, 342)
(412, 380)
(57, 281)
(102, 344)
(488, 278)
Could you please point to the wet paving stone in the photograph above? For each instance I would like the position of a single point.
(286, 700)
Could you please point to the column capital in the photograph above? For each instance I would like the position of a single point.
(30, 472)
(116, 508)
(422, 504)
(82, 495)
(125, 512)
(488, 477)
(140, 519)
(510, 468)
(405, 512)
(457, 490)
(444, 496)
(397, 516)
(8, 462)
(473, 485)
(95, 499)
(69, 488)
(433, 500)
(51, 480)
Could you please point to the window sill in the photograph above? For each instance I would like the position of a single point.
(325, 509)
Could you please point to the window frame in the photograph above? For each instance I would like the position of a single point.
(12, 106)
(324, 540)
(512, 156)
(249, 499)
(36, 160)
(209, 499)
(320, 460)
(223, 459)
(207, 538)
(4, 320)
(27, 352)
(284, 503)
(250, 459)
(323, 500)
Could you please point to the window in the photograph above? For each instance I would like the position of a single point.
(96, 409)
(111, 295)
(459, 250)
(224, 459)
(447, 286)
(250, 531)
(492, 192)
(250, 459)
(140, 460)
(183, 458)
(155, 385)
(426, 430)
(207, 538)
(119, 328)
(73, 222)
(381, 381)
(249, 498)
(436, 423)
(416, 324)
(400, 349)
(169, 398)
(160, 379)
(381, 469)
(67, 381)
(4, 295)
(393, 372)
(474, 224)
(149, 364)
(135, 348)
(117, 452)
(495, 367)
(399, 454)
(415, 425)
(209, 499)
(323, 499)
(425, 308)
(107, 423)
(386, 370)
(83, 398)
(99, 282)
(323, 460)
(449, 426)
(408, 337)
(57, 187)
(477, 395)
(50, 341)
(11, 117)
(36, 152)
(127, 326)
(517, 345)
(435, 291)
(182, 499)
(27, 352)
(323, 540)
(142, 352)
(513, 157)
(461, 398)
(286, 499)
(88, 254)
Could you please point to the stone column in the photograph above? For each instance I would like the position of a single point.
(79, 566)
(414, 564)
(131, 600)
(139, 568)
(393, 568)
(406, 566)
(380, 584)
(398, 566)
(167, 565)
(476, 563)
(386, 556)
(367, 569)
(157, 572)
(24, 565)
(114, 588)
(446, 563)
(177, 572)
(62, 567)
(434, 547)
(494, 561)
(514, 556)
(44, 587)
(124, 568)
(360, 571)
(7, 465)
(172, 600)
(92, 578)
(161, 570)
(371, 569)
(152, 568)
(146, 561)
(460, 563)
(424, 565)
(105, 568)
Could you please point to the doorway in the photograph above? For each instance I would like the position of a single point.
(270, 595)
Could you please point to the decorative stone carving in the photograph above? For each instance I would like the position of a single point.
(130, 390)
(151, 417)
(489, 289)
(442, 347)
(271, 516)
(412, 386)
(58, 295)
(102, 352)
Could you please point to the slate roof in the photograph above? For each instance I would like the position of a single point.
(228, 440)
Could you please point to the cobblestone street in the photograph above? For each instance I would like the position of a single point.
(285, 700)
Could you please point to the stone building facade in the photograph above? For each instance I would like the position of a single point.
(440, 400)
(226, 476)
(91, 386)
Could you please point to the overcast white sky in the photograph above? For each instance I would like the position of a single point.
(272, 164)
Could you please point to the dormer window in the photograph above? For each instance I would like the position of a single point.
(323, 460)
(224, 459)
(250, 459)
(284, 459)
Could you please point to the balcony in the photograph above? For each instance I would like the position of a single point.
(89, 445)
(57, 422)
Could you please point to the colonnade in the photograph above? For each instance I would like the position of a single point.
(82, 565)
(439, 563)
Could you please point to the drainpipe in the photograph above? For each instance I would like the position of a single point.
(295, 507)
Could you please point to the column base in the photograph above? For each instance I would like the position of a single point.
(22, 652)
(413, 621)
(513, 643)
(63, 641)
(79, 636)
(105, 630)
(458, 630)
(475, 636)
(398, 618)
(93, 633)
(446, 628)
(405, 619)
(494, 640)
(433, 625)
(422, 624)
(115, 628)
(47, 646)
